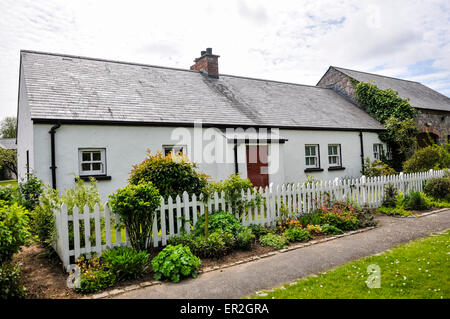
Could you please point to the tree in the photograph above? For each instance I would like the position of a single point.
(8, 159)
(8, 127)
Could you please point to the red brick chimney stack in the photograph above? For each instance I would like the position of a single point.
(207, 63)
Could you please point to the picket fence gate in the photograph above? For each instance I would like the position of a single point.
(93, 229)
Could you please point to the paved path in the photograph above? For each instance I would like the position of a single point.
(245, 279)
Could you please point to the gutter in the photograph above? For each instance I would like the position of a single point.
(236, 165)
(362, 151)
(52, 150)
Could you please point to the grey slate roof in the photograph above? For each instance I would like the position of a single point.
(420, 96)
(77, 88)
(8, 143)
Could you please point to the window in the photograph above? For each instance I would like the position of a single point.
(176, 149)
(312, 156)
(377, 151)
(92, 161)
(334, 155)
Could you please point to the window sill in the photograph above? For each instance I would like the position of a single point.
(336, 168)
(313, 170)
(97, 177)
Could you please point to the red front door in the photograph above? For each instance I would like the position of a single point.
(257, 165)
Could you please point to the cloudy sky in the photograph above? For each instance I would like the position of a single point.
(294, 41)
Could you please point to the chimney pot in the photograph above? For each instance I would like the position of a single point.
(208, 63)
(209, 50)
(202, 53)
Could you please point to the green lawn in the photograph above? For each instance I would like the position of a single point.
(12, 182)
(418, 269)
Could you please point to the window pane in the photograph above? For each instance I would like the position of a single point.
(307, 151)
(96, 166)
(86, 167)
(96, 156)
(313, 150)
(312, 161)
(86, 156)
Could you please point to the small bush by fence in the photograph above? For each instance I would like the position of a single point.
(96, 231)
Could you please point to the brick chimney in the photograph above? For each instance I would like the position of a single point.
(207, 63)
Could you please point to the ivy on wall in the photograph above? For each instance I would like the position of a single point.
(396, 114)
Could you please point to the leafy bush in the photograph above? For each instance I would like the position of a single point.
(136, 206)
(30, 191)
(416, 201)
(394, 211)
(8, 195)
(13, 230)
(314, 229)
(172, 174)
(390, 196)
(314, 218)
(232, 188)
(258, 230)
(126, 262)
(288, 222)
(366, 218)
(43, 223)
(343, 220)
(10, 285)
(376, 168)
(331, 230)
(438, 188)
(273, 240)
(297, 234)
(95, 280)
(175, 262)
(245, 239)
(218, 220)
(430, 157)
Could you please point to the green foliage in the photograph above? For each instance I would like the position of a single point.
(9, 195)
(438, 188)
(175, 262)
(95, 280)
(82, 194)
(314, 218)
(297, 234)
(366, 218)
(219, 220)
(395, 113)
(232, 188)
(43, 222)
(245, 239)
(394, 211)
(376, 168)
(172, 174)
(30, 191)
(8, 127)
(126, 262)
(14, 233)
(136, 206)
(344, 220)
(416, 201)
(258, 230)
(328, 229)
(314, 229)
(10, 285)
(430, 157)
(8, 159)
(390, 196)
(273, 240)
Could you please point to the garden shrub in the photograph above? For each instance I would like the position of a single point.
(376, 168)
(328, 229)
(273, 240)
(219, 220)
(175, 262)
(343, 220)
(126, 262)
(394, 211)
(30, 191)
(8, 194)
(416, 201)
(314, 229)
(95, 280)
(258, 230)
(245, 239)
(438, 188)
(10, 285)
(430, 157)
(297, 234)
(288, 222)
(43, 222)
(136, 206)
(366, 218)
(14, 223)
(390, 196)
(172, 175)
(314, 218)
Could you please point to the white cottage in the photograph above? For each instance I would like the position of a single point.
(81, 116)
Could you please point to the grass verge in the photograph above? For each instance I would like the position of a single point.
(416, 270)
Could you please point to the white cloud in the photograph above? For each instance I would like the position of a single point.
(290, 40)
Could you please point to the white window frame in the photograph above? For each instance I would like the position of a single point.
(316, 156)
(175, 149)
(337, 155)
(377, 151)
(102, 161)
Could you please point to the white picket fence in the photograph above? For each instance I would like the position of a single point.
(96, 231)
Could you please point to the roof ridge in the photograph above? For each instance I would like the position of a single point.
(275, 81)
(384, 76)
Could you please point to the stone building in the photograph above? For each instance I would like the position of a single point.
(434, 118)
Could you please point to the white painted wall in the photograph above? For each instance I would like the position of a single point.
(127, 145)
(24, 132)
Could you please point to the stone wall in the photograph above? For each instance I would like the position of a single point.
(340, 83)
